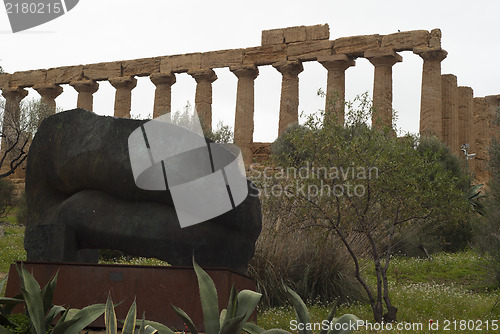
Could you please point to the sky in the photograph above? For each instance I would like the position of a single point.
(111, 30)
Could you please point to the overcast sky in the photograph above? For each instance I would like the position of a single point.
(110, 30)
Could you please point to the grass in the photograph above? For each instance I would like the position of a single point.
(468, 269)
(417, 303)
(11, 247)
(450, 287)
(139, 261)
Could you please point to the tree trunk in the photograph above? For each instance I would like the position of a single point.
(378, 311)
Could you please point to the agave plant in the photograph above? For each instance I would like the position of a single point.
(474, 196)
(42, 312)
(341, 325)
(231, 320)
(6, 306)
(131, 325)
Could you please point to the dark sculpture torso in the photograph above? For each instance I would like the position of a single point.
(82, 197)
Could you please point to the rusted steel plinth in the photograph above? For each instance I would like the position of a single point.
(154, 288)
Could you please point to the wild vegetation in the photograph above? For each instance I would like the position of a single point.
(418, 243)
(362, 187)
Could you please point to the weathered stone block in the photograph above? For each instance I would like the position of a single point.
(27, 78)
(64, 75)
(273, 36)
(407, 40)
(180, 63)
(320, 31)
(295, 34)
(223, 58)
(357, 45)
(310, 50)
(102, 71)
(141, 67)
(383, 56)
(435, 38)
(4, 80)
(264, 55)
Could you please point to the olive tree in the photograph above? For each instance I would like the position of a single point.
(358, 184)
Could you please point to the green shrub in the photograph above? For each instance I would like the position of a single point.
(283, 150)
(21, 322)
(448, 231)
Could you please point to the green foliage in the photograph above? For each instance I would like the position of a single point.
(131, 325)
(41, 312)
(284, 150)
(231, 320)
(107, 256)
(448, 230)
(451, 286)
(185, 117)
(432, 148)
(466, 269)
(21, 322)
(475, 196)
(33, 112)
(12, 246)
(360, 183)
(417, 303)
(303, 320)
(222, 134)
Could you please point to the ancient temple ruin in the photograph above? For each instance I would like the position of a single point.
(452, 113)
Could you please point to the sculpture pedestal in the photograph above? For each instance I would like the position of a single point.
(154, 288)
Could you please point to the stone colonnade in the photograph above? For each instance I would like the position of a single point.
(447, 111)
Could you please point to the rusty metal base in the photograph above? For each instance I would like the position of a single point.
(154, 288)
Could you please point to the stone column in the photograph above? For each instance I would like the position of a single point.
(335, 86)
(85, 89)
(493, 102)
(450, 111)
(13, 97)
(465, 117)
(203, 97)
(163, 93)
(123, 95)
(289, 101)
(49, 93)
(11, 126)
(383, 61)
(482, 138)
(243, 119)
(430, 99)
